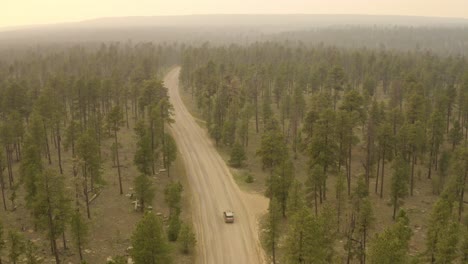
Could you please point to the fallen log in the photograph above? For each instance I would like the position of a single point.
(94, 197)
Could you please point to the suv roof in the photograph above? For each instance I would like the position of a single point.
(229, 213)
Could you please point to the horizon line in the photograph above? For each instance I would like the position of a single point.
(25, 26)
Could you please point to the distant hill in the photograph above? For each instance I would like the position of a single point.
(332, 29)
(294, 20)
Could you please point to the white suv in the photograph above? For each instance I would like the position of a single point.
(228, 217)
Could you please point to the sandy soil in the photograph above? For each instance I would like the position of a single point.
(214, 191)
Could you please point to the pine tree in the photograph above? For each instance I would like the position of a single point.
(399, 187)
(335, 83)
(352, 106)
(314, 183)
(362, 219)
(364, 222)
(415, 148)
(243, 125)
(340, 198)
(2, 241)
(169, 152)
(2, 179)
(273, 227)
(173, 196)
(114, 122)
(187, 239)
(52, 205)
(460, 173)
(385, 143)
(155, 122)
(297, 236)
(267, 112)
(327, 227)
(279, 183)
(464, 246)
(373, 120)
(79, 231)
(144, 156)
(296, 199)
(443, 167)
(71, 135)
(447, 245)
(173, 229)
(31, 166)
(391, 246)
(31, 253)
(237, 156)
(273, 149)
(148, 241)
(323, 149)
(436, 137)
(87, 151)
(310, 239)
(16, 242)
(442, 237)
(144, 191)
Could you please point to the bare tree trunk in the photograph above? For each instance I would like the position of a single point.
(315, 199)
(462, 195)
(152, 146)
(340, 150)
(429, 170)
(85, 190)
(126, 112)
(53, 242)
(118, 161)
(80, 250)
(164, 146)
(368, 158)
(273, 251)
(59, 151)
(2, 182)
(47, 145)
(16, 146)
(9, 165)
(256, 110)
(64, 240)
(383, 175)
(364, 245)
(349, 167)
(413, 161)
(377, 176)
(77, 188)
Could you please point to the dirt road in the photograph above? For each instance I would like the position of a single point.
(214, 191)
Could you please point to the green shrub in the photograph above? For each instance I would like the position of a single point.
(187, 239)
(249, 178)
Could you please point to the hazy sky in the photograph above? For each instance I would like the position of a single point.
(26, 12)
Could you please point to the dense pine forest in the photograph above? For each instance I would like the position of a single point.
(357, 137)
(85, 154)
(361, 152)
